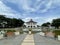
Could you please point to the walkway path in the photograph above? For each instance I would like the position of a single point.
(29, 40)
(13, 40)
(40, 40)
(25, 39)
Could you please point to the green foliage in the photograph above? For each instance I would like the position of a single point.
(11, 31)
(57, 32)
(21, 32)
(11, 22)
(46, 24)
(2, 18)
(30, 29)
(56, 23)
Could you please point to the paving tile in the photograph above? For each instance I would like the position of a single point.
(29, 40)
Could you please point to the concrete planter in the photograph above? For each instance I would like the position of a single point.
(9, 34)
(50, 34)
(1, 36)
(58, 37)
(17, 33)
(42, 34)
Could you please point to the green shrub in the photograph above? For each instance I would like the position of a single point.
(30, 29)
(57, 32)
(11, 31)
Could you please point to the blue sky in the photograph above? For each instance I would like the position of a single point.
(40, 11)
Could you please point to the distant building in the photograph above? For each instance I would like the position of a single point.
(31, 24)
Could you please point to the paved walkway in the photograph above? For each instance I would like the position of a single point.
(34, 39)
(13, 40)
(40, 40)
(29, 40)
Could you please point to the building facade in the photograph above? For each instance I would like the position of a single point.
(31, 24)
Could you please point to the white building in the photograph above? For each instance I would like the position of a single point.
(31, 24)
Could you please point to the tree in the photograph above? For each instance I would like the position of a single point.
(56, 23)
(45, 24)
(20, 22)
(2, 18)
(11, 22)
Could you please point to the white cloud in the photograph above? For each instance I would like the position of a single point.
(13, 1)
(25, 5)
(50, 18)
(56, 1)
(48, 5)
(5, 10)
(34, 18)
(38, 0)
(41, 20)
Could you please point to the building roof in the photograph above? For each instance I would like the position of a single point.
(31, 21)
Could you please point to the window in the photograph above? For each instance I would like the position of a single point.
(28, 26)
(34, 26)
